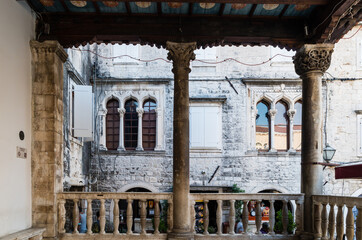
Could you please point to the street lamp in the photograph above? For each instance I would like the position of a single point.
(328, 153)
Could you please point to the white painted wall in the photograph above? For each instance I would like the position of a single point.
(17, 28)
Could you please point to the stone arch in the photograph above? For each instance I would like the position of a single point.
(148, 96)
(270, 187)
(108, 97)
(145, 185)
(285, 99)
(128, 97)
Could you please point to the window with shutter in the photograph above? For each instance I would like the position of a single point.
(112, 125)
(205, 126)
(130, 125)
(149, 125)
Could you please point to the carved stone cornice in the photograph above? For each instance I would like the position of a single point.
(46, 47)
(313, 57)
(181, 54)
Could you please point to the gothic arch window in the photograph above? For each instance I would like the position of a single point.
(112, 125)
(149, 125)
(281, 129)
(262, 136)
(297, 127)
(130, 124)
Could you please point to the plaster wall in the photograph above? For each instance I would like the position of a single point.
(17, 27)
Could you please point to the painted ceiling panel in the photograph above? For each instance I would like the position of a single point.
(261, 11)
(229, 10)
(147, 7)
(209, 8)
(120, 8)
(89, 7)
(292, 12)
(166, 9)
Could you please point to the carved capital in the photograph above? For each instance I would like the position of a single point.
(47, 47)
(181, 54)
(121, 111)
(102, 112)
(313, 57)
(140, 112)
(272, 113)
(291, 113)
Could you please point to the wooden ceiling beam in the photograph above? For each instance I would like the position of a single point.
(222, 7)
(206, 31)
(284, 10)
(300, 2)
(252, 10)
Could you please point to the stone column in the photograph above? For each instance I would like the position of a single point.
(272, 113)
(291, 114)
(181, 54)
(159, 136)
(102, 139)
(254, 113)
(47, 133)
(139, 137)
(121, 111)
(310, 62)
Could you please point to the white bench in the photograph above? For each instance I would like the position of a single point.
(27, 234)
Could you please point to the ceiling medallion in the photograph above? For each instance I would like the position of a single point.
(143, 4)
(110, 3)
(174, 4)
(207, 5)
(270, 6)
(301, 7)
(47, 3)
(78, 3)
(238, 6)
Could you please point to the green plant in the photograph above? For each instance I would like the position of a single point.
(278, 228)
(238, 203)
(211, 229)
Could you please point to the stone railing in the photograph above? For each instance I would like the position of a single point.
(100, 200)
(229, 199)
(337, 216)
(108, 207)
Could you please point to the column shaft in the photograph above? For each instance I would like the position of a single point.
(139, 137)
(311, 61)
(181, 54)
(121, 129)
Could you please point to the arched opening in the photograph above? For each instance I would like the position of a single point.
(149, 125)
(130, 125)
(112, 125)
(262, 124)
(281, 129)
(297, 126)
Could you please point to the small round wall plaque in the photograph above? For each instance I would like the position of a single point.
(21, 135)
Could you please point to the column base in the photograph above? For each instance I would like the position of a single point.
(180, 236)
(102, 148)
(120, 149)
(139, 148)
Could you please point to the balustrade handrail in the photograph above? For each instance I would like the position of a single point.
(337, 200)
(114, 195)
(247, 196)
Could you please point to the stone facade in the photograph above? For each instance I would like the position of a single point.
(236, 161)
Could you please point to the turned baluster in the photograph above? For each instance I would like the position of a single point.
(232, 217)
(170, 216)
(116, 216)
(332, 221)
(219, 217)
(193, 216)
(157, 216)
(299, 217)
(102, 217)
(317, 221)
(75, 216)
(285, 219)
(89, 216)
(258, 216)
(62, 213)
(206, 217)
(324, 220)
(245, 216)
(359, 224)
(271, 217)
(129, 216)
(350, 223)
(340, 222)
(143, 216)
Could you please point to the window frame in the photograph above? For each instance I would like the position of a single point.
(268, 105)
(148, 127)
(131, 126)
(218, 146)
(115, 127)
(287, 126)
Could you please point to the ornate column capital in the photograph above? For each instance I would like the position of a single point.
(313, 57)
(140, 112)
(47, 47)
(121, 111)
(181, 54)
(272, 113)
(102, 112)
(291, 113)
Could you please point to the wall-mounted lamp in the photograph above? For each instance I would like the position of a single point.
(328, 153)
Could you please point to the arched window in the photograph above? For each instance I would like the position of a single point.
(112, 125)
(297, 127)
(262, 126)
(149, 125)
(130, 125)
(281, 129)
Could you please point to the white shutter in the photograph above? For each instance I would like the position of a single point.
(83, 109)
(197, 126)
(212, 127)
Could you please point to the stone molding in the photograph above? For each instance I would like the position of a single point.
(48, 47)
(313, 57)
(181, 54)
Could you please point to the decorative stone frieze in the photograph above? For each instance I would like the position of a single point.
(316, 57)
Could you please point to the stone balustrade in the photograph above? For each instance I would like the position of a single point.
(337, 216)
(109, 211)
